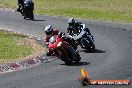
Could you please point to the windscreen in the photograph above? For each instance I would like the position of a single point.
(52, 40)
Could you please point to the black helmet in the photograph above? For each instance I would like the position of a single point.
(48, 30)
(71, 21)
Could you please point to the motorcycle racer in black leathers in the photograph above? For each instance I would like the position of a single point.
(21, 5)
(75, 26)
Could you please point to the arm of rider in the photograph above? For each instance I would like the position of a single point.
(46, 40)
(61, 34)
(83, 26)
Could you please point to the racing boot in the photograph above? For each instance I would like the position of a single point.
(48, 53)
(89, 33)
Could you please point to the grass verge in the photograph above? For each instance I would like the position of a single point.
(113, 10)
(14, 47)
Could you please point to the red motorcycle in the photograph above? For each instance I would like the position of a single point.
(60, 48)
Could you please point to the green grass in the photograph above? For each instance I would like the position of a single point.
(113, 10)
(9, 50)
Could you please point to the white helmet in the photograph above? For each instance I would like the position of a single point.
(71, 21)
(48, 30)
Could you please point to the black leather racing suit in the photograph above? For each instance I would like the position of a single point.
(21, 5)
(75, 28)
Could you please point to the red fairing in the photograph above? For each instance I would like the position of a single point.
(55, 32)
(55, 44)
(61, 49)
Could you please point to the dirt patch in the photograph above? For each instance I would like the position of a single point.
(38, 49)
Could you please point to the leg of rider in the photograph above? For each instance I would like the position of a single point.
(19, 8)
(89, 33)
(22, 8)
(87, 30)
(49, 52)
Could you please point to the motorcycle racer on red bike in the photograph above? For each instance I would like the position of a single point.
(50, 31)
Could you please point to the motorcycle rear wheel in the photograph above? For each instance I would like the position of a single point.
(31, 16)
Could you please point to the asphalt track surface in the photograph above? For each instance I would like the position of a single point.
(111, 60)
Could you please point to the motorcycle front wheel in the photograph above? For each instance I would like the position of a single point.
(72, 55)
(78, 58)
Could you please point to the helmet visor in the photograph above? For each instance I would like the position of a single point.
(71, 24)
(48, 33)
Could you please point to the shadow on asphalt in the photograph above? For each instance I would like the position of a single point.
(78, 64)
(38, 20)
(96, 51)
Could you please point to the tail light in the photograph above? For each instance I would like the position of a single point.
(59, 44)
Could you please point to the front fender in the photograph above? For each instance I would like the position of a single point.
(84, 43)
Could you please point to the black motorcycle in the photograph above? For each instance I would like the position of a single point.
(27, 11)
(84, 39)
